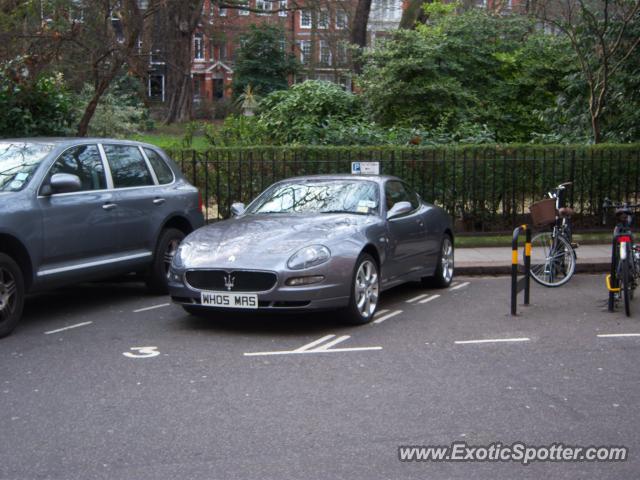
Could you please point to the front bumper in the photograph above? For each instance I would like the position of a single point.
(331, 293)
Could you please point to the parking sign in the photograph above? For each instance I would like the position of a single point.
(365, 168)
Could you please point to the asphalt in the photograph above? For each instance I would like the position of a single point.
(497, 260)
(77, 404)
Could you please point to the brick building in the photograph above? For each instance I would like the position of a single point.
(318, 37)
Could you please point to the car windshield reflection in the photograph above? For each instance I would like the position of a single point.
(18, 161)
(319, 197)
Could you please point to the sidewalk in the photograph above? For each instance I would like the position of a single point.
(497, 260)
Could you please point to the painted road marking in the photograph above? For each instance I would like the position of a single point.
(432, 297)
(317, 346)
(153, 307)
(68, 328)
(144, 352)
(615, 335)
(381, 312)
(387, 316)
(462, 285)
(419, 297)
(453, 284)
(493, 340)
(309, 346)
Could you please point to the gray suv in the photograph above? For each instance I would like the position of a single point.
(74, 210)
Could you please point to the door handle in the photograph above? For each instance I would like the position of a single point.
(109, 206)
(158, 201)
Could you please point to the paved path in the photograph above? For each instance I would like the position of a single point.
(497, 260)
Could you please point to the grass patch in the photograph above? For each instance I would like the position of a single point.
(170, 141)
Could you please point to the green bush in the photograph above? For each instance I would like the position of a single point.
(120, 112)
(33, 107)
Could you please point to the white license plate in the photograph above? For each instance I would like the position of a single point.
(229, 300)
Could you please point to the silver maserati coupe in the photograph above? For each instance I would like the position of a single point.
(315, 243)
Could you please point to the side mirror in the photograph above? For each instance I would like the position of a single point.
(398, 209)
(237, 209)
(63, 183)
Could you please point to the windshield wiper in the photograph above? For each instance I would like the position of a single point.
(343, 211)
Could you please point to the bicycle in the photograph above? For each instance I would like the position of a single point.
(625, 256)
(553, 256)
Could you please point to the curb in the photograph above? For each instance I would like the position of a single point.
(471, 270)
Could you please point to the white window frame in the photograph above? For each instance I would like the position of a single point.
(325, 48)
(264, 6)
(342, 19)
(198, 39)
(306, 14)
(243, 12)
(222, 12)
(304, 57)
(282, 5)
(324, 19)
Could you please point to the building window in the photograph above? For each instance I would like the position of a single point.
(222, 12)
(325, 53)
(242, 10)
(323, 19)
(305, 51)
(143, 4)
(305, 19)
(222, 52)
(342, 53)
(341, 19)
(155, 87)
(263, 6)
(198, 46)
(283, 8)
(481, 3)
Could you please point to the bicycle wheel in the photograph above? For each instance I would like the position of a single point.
(625, 287)
(553, 261)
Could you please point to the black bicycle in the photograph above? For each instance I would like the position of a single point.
(625, 256)
(553, 256)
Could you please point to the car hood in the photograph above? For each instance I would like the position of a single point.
(261, 241)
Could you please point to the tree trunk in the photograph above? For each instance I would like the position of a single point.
(83, 126)
(413, 14)
(359, 29)
(179, 24)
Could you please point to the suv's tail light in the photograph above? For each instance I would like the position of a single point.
(200, 202)
(624, 239)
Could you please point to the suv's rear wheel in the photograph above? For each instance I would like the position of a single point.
(158, 274)
(11, 294)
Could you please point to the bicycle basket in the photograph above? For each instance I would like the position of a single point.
(543, 212)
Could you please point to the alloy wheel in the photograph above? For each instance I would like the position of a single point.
(7, 293)
(447, 259)
(367, 288)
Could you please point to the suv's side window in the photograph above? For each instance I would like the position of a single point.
(163, 172)
(128, 168)
(85, 162)
(396, 192)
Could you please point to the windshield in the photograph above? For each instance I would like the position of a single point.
(18, 161)
(331, 196)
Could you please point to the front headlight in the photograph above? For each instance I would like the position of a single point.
(177, 262)
(308, 257)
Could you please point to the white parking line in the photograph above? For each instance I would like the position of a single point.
(419, 297)
(381, 312)
(68, 328)
(432, 297)
(153, 307)
(308, 348)
(462, 285)
(615, 335)
(387, 316)
(493, 340)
